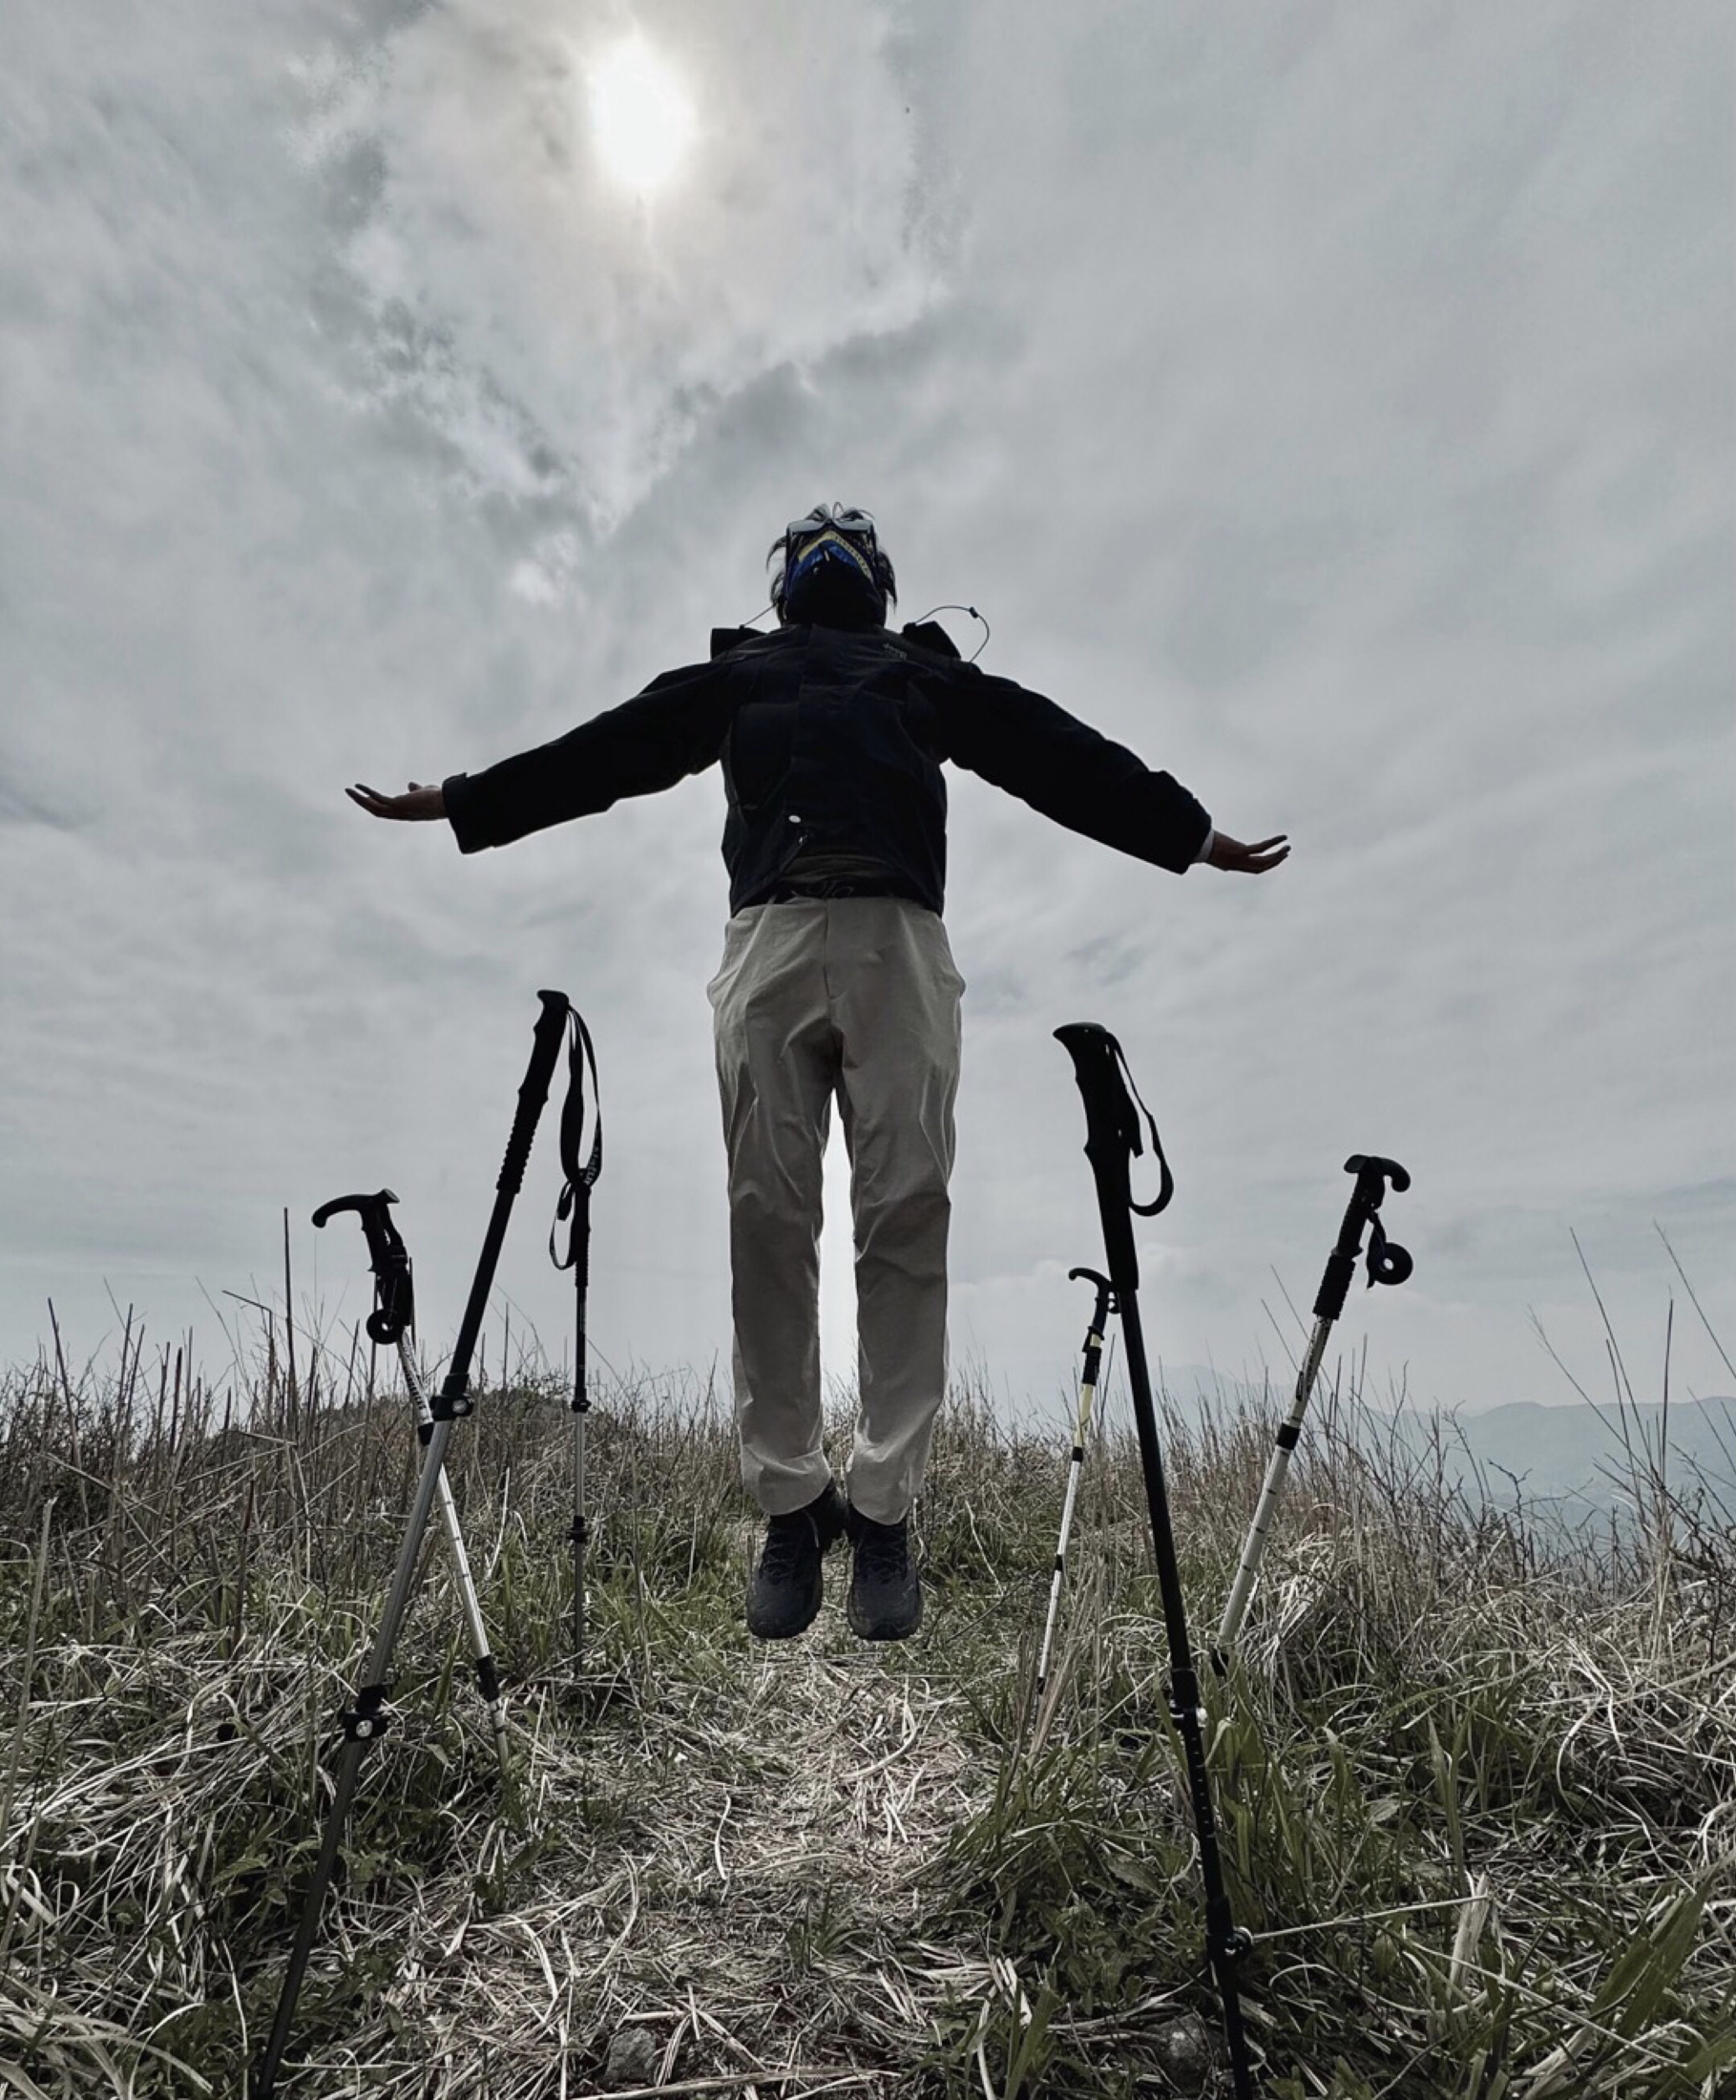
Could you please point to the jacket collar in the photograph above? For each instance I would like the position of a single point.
(921, 634)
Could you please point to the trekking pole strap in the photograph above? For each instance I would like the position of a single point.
(1112, 1141)
(575, 1192)
(394, 1298)
(1388, 1261)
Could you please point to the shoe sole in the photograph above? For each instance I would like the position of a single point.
(866, 1629)
(781, 1632)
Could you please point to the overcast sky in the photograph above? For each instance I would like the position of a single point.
(1332, 403)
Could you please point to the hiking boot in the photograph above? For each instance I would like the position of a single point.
(788, 1585)
(886, 1597)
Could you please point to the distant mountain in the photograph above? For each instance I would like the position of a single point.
(1592, 1453)
(1578, 1456)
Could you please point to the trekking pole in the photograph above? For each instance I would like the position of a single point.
(1388, 1263)
(1112, 1140)
(575, 1198)
(366, 1721)
(393, 1319)
(1094, 1351)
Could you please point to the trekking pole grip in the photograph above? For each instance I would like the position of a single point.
(1388, 1261)
(1112, 1142)
(394, 1305)
(534, 1092)
(453, 1399)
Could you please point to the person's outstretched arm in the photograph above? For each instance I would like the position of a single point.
(1023, 743)
(673, 728)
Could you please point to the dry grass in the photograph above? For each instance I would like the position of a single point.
(1477, 1790)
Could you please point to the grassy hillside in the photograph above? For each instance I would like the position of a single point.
(1478, 1805)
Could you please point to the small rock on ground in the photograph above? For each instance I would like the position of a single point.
(633, 2059)
(1185, 2053)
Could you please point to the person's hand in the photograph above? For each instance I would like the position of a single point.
(1248, 860)
(415, 808)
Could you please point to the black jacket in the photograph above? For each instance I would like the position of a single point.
(831, 741)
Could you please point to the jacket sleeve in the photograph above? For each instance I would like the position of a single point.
(675, 728)
(1064, 768)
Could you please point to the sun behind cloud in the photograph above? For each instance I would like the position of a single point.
(642, 119)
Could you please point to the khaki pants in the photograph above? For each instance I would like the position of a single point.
(856, 997)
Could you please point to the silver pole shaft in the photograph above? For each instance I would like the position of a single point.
(1082, 1428)
(487, 1680)
(1253, 1553)
(433, 1479)
(366, 1726)
(578, 1538)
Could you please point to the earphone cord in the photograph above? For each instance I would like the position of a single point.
(974, 615)
(929, 615)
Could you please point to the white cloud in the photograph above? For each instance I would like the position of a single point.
(1335, 410)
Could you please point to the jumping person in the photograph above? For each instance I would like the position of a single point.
(836, 978)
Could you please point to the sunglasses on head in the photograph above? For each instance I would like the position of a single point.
(853, 524)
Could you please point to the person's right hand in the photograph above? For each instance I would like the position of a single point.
(415, 808)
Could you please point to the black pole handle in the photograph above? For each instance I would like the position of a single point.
(395, 1299)
(1105, 1305)
(453, 1399)
(1093, 1344)
(1388, 1261)
(533, 1089)
(1112, 1142)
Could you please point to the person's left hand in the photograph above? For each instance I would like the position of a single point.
(419, 806)
(1248, 860)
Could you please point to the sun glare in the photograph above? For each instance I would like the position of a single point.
(643, 120)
